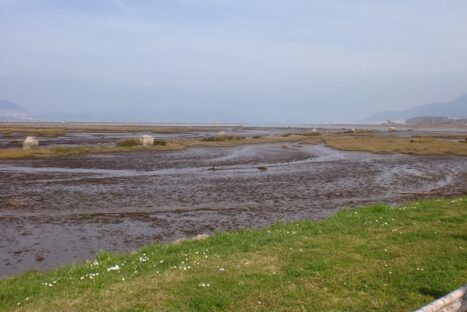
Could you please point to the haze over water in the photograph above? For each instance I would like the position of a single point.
(254, 61)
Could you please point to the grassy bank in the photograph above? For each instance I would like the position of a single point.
(391, 144)
(374, 258)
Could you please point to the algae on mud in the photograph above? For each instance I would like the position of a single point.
(375, 258)
(126, 200)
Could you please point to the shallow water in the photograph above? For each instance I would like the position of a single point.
(59, 210)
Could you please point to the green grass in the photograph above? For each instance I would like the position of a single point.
(128, 143)
(375, 258)
(304, 134)
(222, 138)
(68, 151)
(160, 143)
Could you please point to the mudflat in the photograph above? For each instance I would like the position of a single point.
(55, 211)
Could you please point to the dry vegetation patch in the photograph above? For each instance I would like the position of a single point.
(9, 130)
(383, 144)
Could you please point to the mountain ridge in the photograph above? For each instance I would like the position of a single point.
(10, 111)
(456, 108)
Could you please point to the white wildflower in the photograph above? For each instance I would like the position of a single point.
(113, 268)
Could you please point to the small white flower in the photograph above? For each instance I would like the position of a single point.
(113, 268)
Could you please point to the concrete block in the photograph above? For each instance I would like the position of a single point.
(30, 142)
(147, 140)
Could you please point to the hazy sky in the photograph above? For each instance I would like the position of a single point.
(284, 60)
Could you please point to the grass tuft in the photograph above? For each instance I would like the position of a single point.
(66, 151)
(128, 143)
(160, 143)
(223, 138)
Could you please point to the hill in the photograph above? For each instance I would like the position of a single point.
(13, 112)
(454, 109)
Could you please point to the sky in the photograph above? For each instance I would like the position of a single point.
(247, 60)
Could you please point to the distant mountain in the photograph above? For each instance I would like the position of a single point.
(149, 115)
(13, 112)
(453, 109)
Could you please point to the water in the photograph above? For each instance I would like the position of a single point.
(55, 211)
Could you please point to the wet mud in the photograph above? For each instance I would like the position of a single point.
(57, 211)
(72, 138)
